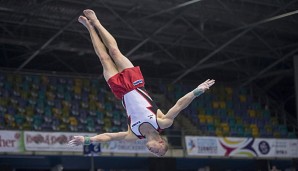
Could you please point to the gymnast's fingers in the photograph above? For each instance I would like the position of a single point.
(211, 83)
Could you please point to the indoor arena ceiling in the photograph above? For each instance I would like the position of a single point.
(237, 41)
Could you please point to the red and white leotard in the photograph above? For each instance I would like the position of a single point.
(128, 85)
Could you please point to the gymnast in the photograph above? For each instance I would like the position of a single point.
(145, 119)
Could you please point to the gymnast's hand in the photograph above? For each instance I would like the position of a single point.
(206, 85)
(77, 140)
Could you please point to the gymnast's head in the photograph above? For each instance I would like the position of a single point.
(158, 147)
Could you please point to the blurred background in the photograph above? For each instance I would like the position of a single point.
(51, 83)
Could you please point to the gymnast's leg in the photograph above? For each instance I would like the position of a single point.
(120, 60)
(109, 67)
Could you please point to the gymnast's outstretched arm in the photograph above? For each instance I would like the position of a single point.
(168, 119)
(105, 137)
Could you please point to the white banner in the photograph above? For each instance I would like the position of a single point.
(138, 146)
(50, 141)
(241, 147)
(11, 141)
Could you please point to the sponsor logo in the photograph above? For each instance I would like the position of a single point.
(280, 144)
(135, 83)
(46, 139)
(281, 152)
(5, 142)
(264, 147)
(150, 116)
(136, 123)
(124, 146)
(207, 146)
(191, 145)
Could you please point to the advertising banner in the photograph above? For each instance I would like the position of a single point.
(11, 141)
(241, 147)
(51, 141)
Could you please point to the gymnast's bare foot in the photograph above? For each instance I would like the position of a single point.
(83, 20)
(90, 14)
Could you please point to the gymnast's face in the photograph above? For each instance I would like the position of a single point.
(158, 148)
